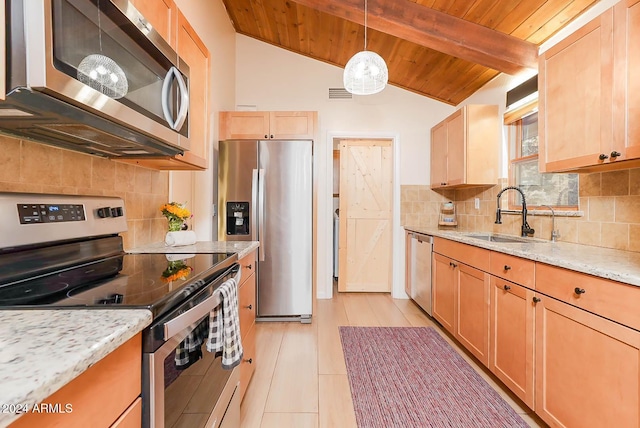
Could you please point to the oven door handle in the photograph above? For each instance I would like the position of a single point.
(193, 315)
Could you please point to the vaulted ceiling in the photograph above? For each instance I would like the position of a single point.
(442, 49)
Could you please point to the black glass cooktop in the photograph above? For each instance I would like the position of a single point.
(153, 281)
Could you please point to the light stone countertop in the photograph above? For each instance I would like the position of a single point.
(241, 247)
(43, 350)
(617, 265)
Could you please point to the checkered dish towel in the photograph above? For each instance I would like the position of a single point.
(224, 326)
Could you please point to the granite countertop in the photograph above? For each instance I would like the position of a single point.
(617, 265)
(241, 247)
(43, 350)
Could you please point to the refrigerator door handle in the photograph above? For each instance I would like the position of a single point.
(254, 204)
(261, 218)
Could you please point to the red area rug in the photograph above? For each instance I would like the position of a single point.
(411, 377)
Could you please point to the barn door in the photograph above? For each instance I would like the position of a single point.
(364, 247)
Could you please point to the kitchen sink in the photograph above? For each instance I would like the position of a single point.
(498, 238)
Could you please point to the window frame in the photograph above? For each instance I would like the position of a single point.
(514, 118)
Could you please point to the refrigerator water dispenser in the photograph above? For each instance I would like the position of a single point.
(237, 218)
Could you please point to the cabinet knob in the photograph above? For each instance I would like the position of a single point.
(271, 136)
(443, 184)
(452, 264)
(507, 287)
(249, 266)
(615, 154)
(266, 136)
(579, 290)
(248, 307)
(603, 156)
(250, 361)
(507, 267)
(536, 299)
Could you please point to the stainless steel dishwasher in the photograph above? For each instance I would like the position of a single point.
(418, 284)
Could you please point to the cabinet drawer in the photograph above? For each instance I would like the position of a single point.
(604, 297)
(247, 304)
(132, 417)
(248, 264)
(248, 364)
(515, 269)
(99, 395)
(479, 258)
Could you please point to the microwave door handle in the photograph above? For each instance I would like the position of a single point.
(184, 100)
(166, 95)
(262, 219)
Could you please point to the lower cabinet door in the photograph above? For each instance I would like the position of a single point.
(472, 311)
(512, 337)
(248, 364)
(445, 273)
(587, 368)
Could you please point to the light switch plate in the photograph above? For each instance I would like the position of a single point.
(476, 202)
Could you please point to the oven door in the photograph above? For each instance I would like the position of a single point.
(188, 388)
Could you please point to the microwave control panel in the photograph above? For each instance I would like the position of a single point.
(50, 213)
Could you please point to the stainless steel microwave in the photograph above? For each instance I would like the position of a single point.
(93, 76)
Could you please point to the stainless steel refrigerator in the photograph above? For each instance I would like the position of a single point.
(265, 193)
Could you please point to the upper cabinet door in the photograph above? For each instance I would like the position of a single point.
(456, 149)
(162, 15)
(292, 125)
(575, 98)
(439, 155)
(627, 79)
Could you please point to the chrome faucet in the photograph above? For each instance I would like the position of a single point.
(525, 229)
(555, 234)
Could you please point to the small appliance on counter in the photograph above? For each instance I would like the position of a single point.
(448, 214)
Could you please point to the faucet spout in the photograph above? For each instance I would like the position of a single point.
(526, 230)
(554, 233)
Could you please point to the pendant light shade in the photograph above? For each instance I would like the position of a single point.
(366, 72)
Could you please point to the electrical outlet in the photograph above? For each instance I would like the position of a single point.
(476, 202)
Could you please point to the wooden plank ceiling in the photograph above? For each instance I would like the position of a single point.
(442, 49)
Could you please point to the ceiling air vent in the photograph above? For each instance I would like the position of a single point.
(339, 94)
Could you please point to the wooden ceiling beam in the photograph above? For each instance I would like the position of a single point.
(436, 30)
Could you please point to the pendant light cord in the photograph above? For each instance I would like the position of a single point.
(365, 25)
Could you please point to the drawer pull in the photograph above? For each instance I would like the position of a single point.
(507, 267)
(507, 287)
(536, 299)
(250, 361)
(452, 264)
(580, 290)
(249, 307)
(248, 266)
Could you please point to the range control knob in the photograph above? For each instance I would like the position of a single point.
(117, 212)
(104, 212)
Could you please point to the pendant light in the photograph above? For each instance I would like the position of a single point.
(366, 72)
(101, 72)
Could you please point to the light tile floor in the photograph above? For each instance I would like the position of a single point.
(300, 378)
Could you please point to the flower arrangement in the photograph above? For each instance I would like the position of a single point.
(176, 269)
(176, 214)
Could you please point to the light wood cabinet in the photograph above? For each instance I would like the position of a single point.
(472, 311)
(445, 277)
(247, 314)
(193, 51)
(587, 368)
(465, 148)
(100, 395)
(270, 125)
(161, 14)
(589, 100)
(513, 268)
(512, 337)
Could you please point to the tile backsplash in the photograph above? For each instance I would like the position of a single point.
(37, 168)
(609, 203)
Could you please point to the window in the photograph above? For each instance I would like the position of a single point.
(557, 190)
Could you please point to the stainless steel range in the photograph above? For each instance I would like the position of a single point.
(61, 251)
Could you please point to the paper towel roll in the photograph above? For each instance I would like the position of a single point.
(182, 237)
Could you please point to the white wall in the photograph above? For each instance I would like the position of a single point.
(211, 22)
(271, 78)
